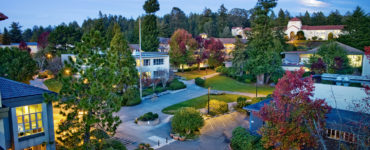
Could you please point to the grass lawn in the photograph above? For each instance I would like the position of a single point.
(228, 84)
(195, 73)
(200, 102)
(53, 85)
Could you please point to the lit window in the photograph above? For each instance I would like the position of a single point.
(158, 61)
(29, 119)
(146, 62)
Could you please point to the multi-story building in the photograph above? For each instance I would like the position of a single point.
(26, 120)
(153, 64)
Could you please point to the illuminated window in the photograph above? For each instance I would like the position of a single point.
(158, 61)
(29, 119)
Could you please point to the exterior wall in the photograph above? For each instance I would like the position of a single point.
(238, 31)
(294, 68)
(366, 66)
(37, 139)
(323, 34)
(291, 58)
(151, 68)
(228, 49)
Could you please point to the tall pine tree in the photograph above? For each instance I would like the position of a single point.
(15, 33)
(6, 37)
(150, 32)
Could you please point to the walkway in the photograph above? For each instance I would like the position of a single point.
(38, 83)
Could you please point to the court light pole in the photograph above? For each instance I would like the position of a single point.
(140, 63)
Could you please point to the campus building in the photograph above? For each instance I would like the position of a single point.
(31, 45)
(26, 120)
(347, 121)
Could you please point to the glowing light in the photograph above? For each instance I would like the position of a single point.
(49, 55)
(67, 71)
(86, 81)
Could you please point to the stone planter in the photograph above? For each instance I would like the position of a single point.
(182, 138)
(148, 123)
(176, 136)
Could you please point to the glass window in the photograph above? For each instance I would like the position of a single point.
(146, 62)
(29, 119)
(158, 61)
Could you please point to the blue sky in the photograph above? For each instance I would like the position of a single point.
(53, 12)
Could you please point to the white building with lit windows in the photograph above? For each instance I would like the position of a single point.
(26, 120)
(154, 64)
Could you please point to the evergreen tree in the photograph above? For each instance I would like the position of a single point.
(125, 62)
(150, 40)
(281, 20)
(226, 33)
(6, 37)
(222, 20)
(335, 18)
(36, 32)
(239, 57)
(89, 101)
(15, 32)
(263, 56)
(357, 28)
(27, 34)
(318, 18)
(177, 20)
(306, 19)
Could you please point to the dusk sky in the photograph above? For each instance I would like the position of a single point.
(53, 12)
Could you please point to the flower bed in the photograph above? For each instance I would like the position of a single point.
(148, 119)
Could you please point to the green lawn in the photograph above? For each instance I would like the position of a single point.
(200, 102)
(53, 85)
(195, 73)
(228, 84)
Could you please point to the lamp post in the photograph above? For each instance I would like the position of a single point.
(209, 91)
(141, 88)
(256, 88)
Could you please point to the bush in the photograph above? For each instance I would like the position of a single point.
(186, 121)
(135, 98)
(241, 102)
(148, 117)
(176, 85)
(200, 81)
(109, 144)
(218, 107)
(243, 140)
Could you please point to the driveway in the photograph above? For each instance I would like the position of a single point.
(129, 132)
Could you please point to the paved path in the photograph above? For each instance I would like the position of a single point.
(130, 132)
(38, 83)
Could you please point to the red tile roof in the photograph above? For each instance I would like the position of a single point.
(248, 29)
(295, 19)
(326, 27)
(2, 16)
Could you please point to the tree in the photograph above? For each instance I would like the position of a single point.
(182, 46)
(335, 58)
(64, 37)
(318, 18)
(126, 65)
(300, 35)
(186, 121)
(177, 20)
(357, 28)
(243, 140)
(216, 55)
(88, 102)
(263, 48)
(54, 65)
(222, 21)
(42, 41)
(306, 19)
(23, 46)
(293, 119)
(317, 65)
(330, 36)
(27, 34)
(281, 20)
(6, 37)
(15, 32)
(17, 65)
(201, 54)
(239, 57)
(150, 32)
(335, 18)
(226, 33)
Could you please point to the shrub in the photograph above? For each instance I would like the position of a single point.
(200, 81)
(243, 140)
(218, 107)
(135, 98)
(176, 84)
(220, 68)
(148, 116)
(186, 121)
(241, 102)
(112, 144)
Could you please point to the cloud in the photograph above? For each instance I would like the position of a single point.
(313, 3)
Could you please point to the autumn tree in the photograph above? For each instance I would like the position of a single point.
(42, 41)
(88, 101)
(24, 47)
(17, 65)
(293, 119)
(150, 32)
(200, 54)
(182, 46)
(216, 55)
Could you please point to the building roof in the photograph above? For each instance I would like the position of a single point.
(163, 40)
(230, 40)
(325, 27)
(257, 106)
(134, 46)
(2, 16)
(28, 43)
(295, 19)
(348, 49)
(247, 29)
(12, 89)
(149, 54)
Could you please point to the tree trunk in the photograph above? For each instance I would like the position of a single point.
(182, 68)
(87, 131)
(260, 79)
(268, 79)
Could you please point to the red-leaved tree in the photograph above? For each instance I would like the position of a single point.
(367, 52)
(201, 54)
(319, 66)
(23, 46)
(216, 55)
(182, 47)
(42, 41)
(293, 119)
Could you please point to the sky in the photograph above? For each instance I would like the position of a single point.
(53, 12)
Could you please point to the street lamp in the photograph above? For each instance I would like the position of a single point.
(49, 55)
